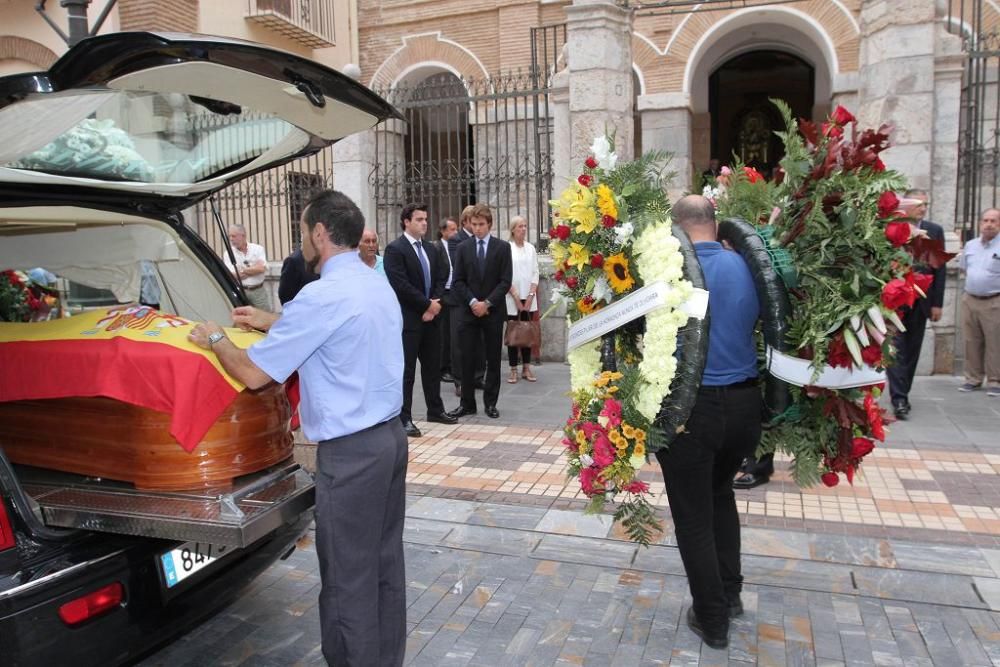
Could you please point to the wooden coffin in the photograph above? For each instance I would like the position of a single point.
(103, 437)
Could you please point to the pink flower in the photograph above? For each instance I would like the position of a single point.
(637, 486)
(570, 445)
(592, 429)
(613, 411)
(604, 451)
(725, 171)
(590, 482)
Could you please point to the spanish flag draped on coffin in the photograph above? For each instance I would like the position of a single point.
(141, 357)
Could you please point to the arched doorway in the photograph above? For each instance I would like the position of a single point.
(743, 119)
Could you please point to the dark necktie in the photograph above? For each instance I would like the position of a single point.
(425, 266)
(481, 254)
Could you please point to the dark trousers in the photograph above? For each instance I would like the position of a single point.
(424, 344)
(907, 344)
(360, 506)
(481, 337)
(445, 317)
(523, 352)
(698, 469)
(456, 316)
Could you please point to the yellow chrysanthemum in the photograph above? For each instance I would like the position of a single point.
(612, 389)
(578, 256)
(628, 431)
(580, 438)
(606, 201)
(584, 216)
(616, 269)
(640, 450)
(615, 436)
(640, 436)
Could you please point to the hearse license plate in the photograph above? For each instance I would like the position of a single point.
(190, 557)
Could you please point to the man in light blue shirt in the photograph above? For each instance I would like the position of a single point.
(343, 333)
(981, 306)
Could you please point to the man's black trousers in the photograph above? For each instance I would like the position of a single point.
(698, 469)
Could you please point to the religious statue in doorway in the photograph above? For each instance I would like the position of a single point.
(754, 138)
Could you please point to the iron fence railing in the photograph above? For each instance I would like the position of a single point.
(310, 22)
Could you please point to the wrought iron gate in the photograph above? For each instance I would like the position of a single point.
(471, 140)
(979, 137)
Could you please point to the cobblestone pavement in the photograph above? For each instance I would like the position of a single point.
(503, 568)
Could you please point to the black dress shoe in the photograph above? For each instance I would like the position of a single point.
(492, 412)
(443, 418)
(447, 377)
(712, 639)
(900, 409)
(749, 480)
(411, 429)
(461, 411)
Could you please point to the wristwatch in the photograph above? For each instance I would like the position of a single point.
(214, 338)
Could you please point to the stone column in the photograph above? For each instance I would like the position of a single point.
(897, 84)
(599, 37)
(353, 162)
(666, 126)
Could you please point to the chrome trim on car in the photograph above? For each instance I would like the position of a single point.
(41, 581)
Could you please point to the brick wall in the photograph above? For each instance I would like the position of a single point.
(172, 15)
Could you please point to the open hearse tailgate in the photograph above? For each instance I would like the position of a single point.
(237, 516)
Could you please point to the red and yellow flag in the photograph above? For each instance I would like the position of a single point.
(130, 353)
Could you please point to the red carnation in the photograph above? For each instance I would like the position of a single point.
(898, 293)
(872, 354)
(838, 354)
(888, 202)
(597, 260)
(559, 275)
(842, 116)
(584, 180)
(752, 174)
(561, 232)
(572, 282)
(608, 221)
(588, 300)
(830, 479)
(861, 447)
(898, 233)
(879, 165)
(590, 162)
(920, 280)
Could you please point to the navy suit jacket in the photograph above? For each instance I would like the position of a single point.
(491, 284)
(406, 276)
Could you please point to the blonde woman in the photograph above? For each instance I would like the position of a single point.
(522, 298)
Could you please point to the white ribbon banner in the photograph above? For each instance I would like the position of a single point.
(800, 373)
(635, 305)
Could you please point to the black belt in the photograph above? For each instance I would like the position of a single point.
(749, 382)
(983, 298)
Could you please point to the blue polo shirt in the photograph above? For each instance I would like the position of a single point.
(343, 333)
(734, 309)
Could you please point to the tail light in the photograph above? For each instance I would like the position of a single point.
(6, 529)
(92, 604)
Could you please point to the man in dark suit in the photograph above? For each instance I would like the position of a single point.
(446, 230)
(464, 232)
(294, 276)
(907, 343)
(483, 269)
(416, 274)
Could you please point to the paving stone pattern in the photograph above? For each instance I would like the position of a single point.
(901, 569)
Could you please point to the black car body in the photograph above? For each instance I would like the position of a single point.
(170, 120)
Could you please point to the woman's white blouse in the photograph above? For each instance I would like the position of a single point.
(525, 274)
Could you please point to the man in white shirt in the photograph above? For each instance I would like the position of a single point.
(981, 306)
(251, 267)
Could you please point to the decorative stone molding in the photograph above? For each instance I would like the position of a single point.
(19, 48)
(429, 49)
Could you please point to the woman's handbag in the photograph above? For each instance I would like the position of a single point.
(522, 333)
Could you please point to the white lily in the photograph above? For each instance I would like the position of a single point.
(601, 149)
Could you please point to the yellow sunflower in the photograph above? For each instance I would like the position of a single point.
(606, 201)
(616, 269)
(578, 256)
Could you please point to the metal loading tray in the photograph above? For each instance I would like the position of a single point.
(255, 506)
